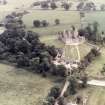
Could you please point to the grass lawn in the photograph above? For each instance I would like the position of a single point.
(67, 18)
(52, 40)
(96, 66)
(96, 16)
(20, 87)
(96, 95)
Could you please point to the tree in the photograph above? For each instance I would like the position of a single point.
(53, 69)
(36, 23)
(44, 23)
(80, 6)
(78, 99)
(53, 5)
(49, 101)
(23, 46)
(82, 32)
(55, 92)
(22, 60)
(72, 86)
(95, 52)
(88, 32)
(102, 7)
(44, 5)
(4, 2)
(57, 21)
(95, 30)
(52, 51)
(66, 6)
(32, 37)
(44, 65)
(20, 21)
(61, 70)
(34, 63)
(25, 49)
(89, 6)
(84, 81)
(62, 101)
(103, 70)
(35, 4)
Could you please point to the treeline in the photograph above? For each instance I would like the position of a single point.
(52, 5)
(81, 6)
(44, 23)
(25, 49)
(91, 32)
(89, 58)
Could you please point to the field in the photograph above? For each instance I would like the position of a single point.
(94, 95)
(20, 87)
(70, 51)
(93, 70)
(96, 66)
(96, 16)
(67, 18)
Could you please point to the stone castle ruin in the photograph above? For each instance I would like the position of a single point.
(70, 37)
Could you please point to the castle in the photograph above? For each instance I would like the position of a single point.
(70, 37)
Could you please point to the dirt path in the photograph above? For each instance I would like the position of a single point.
(100, 83)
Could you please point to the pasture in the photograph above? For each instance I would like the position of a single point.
(93, 70)
(70, 51)
(67, 19)
(98, 16)
(95, 95)
(20, 87)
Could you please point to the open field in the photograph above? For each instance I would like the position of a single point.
(96, 95)
(20, 87)
(67, 18)
(96, 66)
(96, 16)
(70, 51)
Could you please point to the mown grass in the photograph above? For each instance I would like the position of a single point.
(96, 66)
(98, 16)
(70, 51)
(67, 18)
(95, 95)
(20, 87)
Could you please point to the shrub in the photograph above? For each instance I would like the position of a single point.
(57, 21)
(66, 6)
(44, 23)
(102, 7)
(53, 5)
(44, 5)
(36, 23)
(61, 70)
(55, 92)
